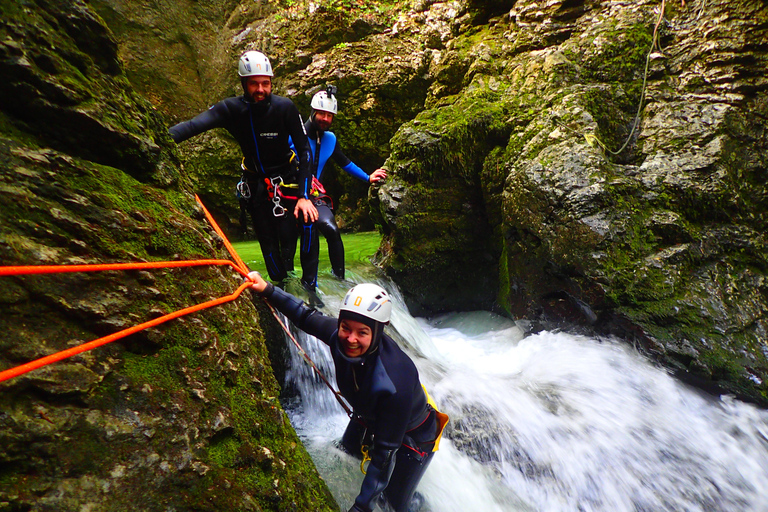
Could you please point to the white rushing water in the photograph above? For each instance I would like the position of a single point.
(549, 422)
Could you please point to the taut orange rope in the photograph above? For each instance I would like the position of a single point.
(56, 269)
(241, 267)
(303, 353)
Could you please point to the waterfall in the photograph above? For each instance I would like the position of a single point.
(547, 422)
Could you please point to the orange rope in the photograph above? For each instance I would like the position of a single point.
(55, 269)
(58, 356)
(52, 269)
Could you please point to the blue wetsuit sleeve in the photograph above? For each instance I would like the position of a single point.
(301, 147)
(214, 117)
(307, 319)
(355, 171)
(347, 165)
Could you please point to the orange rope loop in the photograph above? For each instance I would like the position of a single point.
(58, 356)
(240, 267)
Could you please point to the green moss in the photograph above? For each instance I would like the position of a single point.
(614, 112)
(159, 369)
(620, 56)
(451, 142)
(721, 364)
(224, 452)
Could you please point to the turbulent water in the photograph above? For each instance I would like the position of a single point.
(548, 422)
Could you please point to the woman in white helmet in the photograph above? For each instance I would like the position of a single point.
(393, 420)
(325, 146)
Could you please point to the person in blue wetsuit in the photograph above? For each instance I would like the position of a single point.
(324, 146)
(276, 179)
(393, 421)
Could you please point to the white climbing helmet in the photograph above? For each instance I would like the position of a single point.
(325, 102)
(254, 63)
(367, 300)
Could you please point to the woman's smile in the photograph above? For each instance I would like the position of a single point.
(355, 337)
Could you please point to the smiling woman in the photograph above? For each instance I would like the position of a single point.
(393, 423)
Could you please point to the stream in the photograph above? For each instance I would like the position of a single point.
(545, 422)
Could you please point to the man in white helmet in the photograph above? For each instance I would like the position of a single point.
(324, 145)
(394, 421)
(276, 179)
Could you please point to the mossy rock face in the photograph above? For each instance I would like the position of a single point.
(182, 416)
(63, 81)
(659, 240)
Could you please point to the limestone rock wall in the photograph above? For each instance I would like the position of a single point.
(184, 416)
(527, 165)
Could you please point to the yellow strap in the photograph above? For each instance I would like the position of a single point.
(442, 419)
(366, 458)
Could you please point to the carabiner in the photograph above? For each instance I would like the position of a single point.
(243, 189)
(366, 458)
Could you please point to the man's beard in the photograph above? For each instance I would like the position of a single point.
(257, 99)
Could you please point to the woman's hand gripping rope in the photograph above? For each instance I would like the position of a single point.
(259, 284)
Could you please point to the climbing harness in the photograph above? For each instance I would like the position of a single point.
(275, 187)
(440, 417)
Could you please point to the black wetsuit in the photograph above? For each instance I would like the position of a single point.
(324, 145)
(389, 404)
(262, 130)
